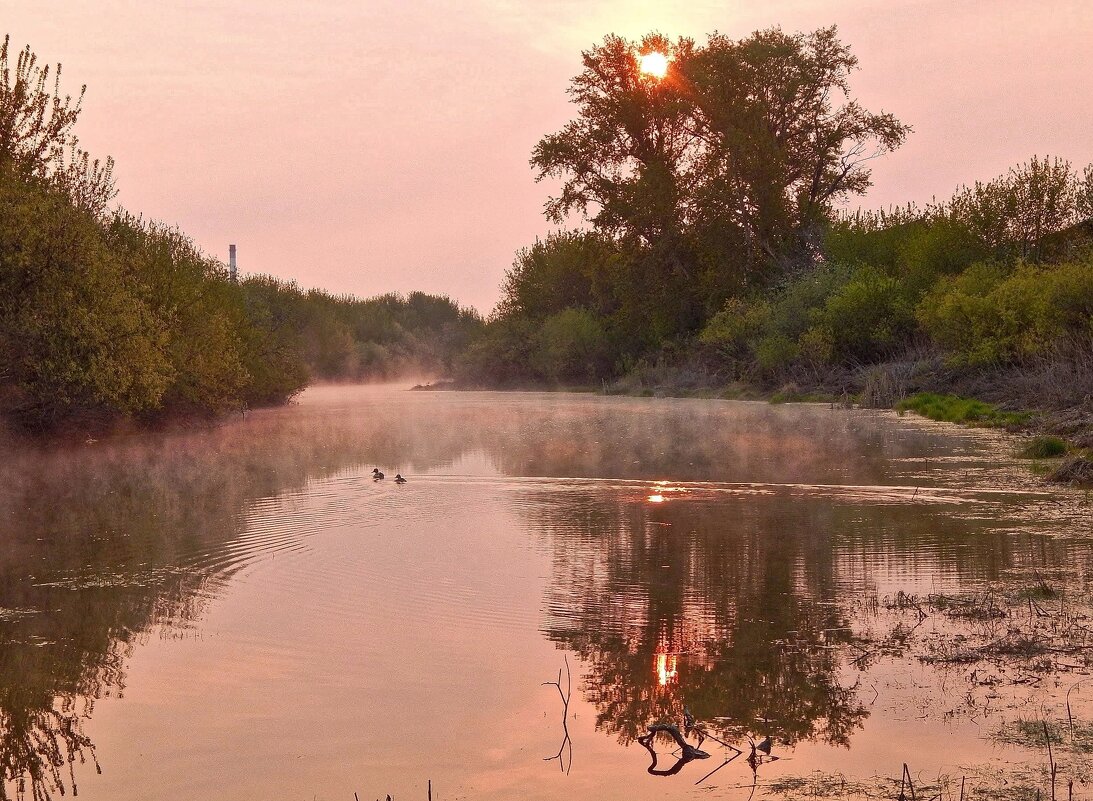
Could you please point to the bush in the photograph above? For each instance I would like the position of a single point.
(986, 315)
(775, 353)
(504, 353)
(732, 332)
(864, 319)
(572, 346)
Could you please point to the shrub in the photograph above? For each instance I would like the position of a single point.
(985, 315)
(504, 353)
(572, 346)
(733, 331)
(865, 318)
(1044, 448)
(774, 353)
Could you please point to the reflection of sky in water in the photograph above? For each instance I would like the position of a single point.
(317, 633)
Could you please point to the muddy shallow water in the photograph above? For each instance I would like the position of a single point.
(244, 613)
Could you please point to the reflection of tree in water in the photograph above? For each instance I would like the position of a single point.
(57, 662)
(43, 735)
(680, 603)
(734, 607)
(107, 544)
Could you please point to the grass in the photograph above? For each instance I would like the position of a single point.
(1044, 448)
(954, 409)
(1077, 737)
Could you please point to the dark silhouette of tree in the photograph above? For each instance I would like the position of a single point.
(721, 173)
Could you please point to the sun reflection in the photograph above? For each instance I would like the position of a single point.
(656, 499)
(664, 665)
(654, 64)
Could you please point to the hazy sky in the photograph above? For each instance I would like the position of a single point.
(374, 146)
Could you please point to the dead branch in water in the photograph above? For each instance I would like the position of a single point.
(567, 742)
(688, 752)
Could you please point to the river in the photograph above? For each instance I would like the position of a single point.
(243, 612)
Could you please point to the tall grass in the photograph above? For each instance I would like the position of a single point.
(954, 409)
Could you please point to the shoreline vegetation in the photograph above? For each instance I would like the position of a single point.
(1059, 444)
(109, 321)
(716, 259)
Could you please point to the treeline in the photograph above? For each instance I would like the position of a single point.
(105, 316)
(344, 338)
(1001, 273)
(716, 252)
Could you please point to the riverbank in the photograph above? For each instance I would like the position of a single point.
(1041, 402)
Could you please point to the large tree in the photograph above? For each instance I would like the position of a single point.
(723, 171)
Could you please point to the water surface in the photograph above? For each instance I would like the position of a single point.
(244, 613)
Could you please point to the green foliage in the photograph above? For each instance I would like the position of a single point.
(831, 315)
(1021, 214)
(504, 353)
(917, 247)
(775, 352)
(567, 269)
(989, 314)
(1044, 448)
(732, 331)
(866, 318)
(189, 294)
(572, 346)
(104, 315)
(952, 409)
(717, 176)
(1084, 195)
(75, 332)
(36, 138)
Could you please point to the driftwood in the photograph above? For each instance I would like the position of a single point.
(688, 751)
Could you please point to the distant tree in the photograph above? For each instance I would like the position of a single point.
(1044, 198)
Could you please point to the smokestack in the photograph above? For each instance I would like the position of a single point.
(232, 274)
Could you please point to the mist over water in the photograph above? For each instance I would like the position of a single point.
(243, 612)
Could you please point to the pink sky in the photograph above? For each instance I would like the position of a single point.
(368, 147)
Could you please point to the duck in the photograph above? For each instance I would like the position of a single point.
(376, 474)
(399, 479)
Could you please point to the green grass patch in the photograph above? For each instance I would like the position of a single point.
(1044, 448)
(953, 409)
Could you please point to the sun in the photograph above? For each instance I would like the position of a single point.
(654, 64)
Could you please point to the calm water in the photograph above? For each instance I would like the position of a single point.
(243, 613)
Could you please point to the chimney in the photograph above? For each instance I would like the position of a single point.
(232, 274)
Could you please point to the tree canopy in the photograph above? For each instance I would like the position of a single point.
(730, 163)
